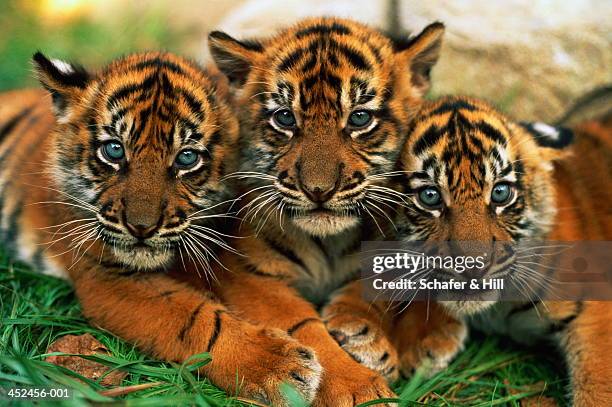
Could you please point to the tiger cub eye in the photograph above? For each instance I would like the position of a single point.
(187, 158)
(430, 197)
(501, 193)
(285, 118)
(359, 118)
(113, 150)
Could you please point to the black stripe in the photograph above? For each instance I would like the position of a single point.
(159, 63)
(368, 135)
(523, 308)
(191, 321)
(251, 269)
(561, 325)
(9, 149)
(490, 132)
(428, 139)
(290, 60)
(287, 253)
(194, 105)
(322, 29)
(6, 129)
(354, 57)
(506, 170)
(300, 324)
(323, 248)
(216, 331)
(452, 105)
(127, 90)
(11, 233)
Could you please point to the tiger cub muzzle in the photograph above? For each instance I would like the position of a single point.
(323, 185)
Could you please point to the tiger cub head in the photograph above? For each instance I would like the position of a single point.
(141, 146)
(323, 108)
(470, 174)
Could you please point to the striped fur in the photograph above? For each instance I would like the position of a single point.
(561, 191)
(309, 181)
(114, 223)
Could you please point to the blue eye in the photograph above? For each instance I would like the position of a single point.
(430, 197)
(113, 150)
(359, 118)
(284, 118)
(187, 159)
(501, 193)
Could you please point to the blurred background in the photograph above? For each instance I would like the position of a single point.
(532, 58)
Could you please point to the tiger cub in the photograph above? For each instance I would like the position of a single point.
(472, 174)
(324, 107)
(122, 183)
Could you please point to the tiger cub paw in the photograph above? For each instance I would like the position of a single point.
(352, 385)
(366, 342)
(435, 351)
(280, 359)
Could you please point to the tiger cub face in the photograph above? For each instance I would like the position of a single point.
(143, 145)
(323, 111)
(472, 175)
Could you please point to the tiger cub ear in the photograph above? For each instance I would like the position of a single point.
(553, 141)
(65, 81)
(234, 58)
(421, 53)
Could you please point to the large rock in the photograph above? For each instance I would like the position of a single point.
(531, 57)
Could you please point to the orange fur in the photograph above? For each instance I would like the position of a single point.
(306, 174)
(567, 193)
(56, 178)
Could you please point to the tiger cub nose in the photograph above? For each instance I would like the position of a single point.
(318, 194)
(142, 231)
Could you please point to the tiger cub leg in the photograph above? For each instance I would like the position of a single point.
(427, 337)
(422, 335)
(174, 321)
(273, 303)
(584, 333)
(362, 329)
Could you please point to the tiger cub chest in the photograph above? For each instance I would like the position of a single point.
(327, 264)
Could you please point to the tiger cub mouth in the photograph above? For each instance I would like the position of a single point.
(325, 222)
(142, 256)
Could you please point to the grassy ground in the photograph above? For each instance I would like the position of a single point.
(35, 310)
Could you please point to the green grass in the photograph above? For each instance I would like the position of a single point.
(36, 310)
(93, 43)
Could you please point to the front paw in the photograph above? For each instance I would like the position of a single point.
(271, 358)
(366, 342)
(350, 386)
(435, 350)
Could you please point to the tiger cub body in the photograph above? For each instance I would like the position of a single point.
(323, 107)
(462, 152)
(114, 179)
